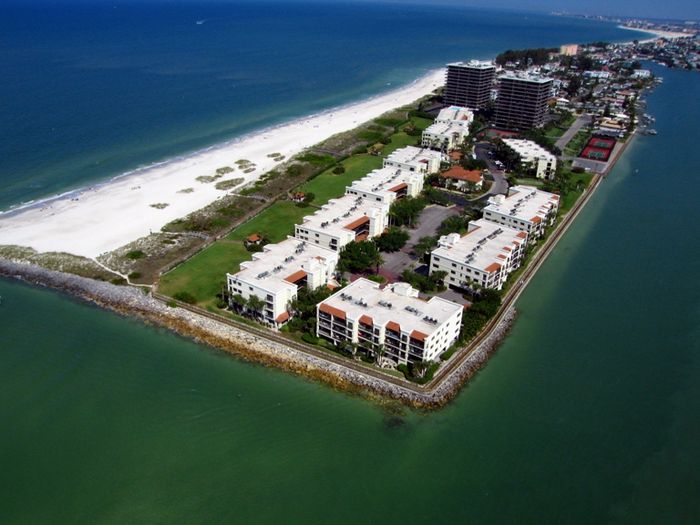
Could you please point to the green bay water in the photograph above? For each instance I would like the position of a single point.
(589, 413)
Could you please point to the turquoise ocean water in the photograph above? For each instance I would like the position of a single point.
(589, 413)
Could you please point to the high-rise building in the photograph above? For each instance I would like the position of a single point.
(469, 84)
(522, 101)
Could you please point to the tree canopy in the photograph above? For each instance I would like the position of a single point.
(360, 257)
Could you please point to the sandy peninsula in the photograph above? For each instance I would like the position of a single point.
(99, 219)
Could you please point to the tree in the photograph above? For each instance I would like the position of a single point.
(454, 224)
(425, 245)
(392, 240)
(238, 302)
(255, 305)
(360, 257)
(406, 211)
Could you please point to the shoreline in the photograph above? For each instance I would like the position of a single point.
(658, 33)
(77, 221)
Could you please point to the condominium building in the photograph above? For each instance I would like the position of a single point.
(469, 83)
(449, 130)
(344, 220)
(522, 101)
(534, 157)
(569, 50)
(411, 158)
(485, 255)
(390, 318)
(275, 275)
(386, 185)
(526, 208)
(443, 136)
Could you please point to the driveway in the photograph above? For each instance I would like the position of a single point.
(428, 223)
(483, 151)
(580, 122)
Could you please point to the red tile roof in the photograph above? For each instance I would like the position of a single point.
(391, 325)
(459, 173)
(420, 336)
(253, 237)
(281, 318)
(366, 319)
(399, 187)
(522, 235)
(296, 276)
(327, 308)
(493, 267)
(354, 224)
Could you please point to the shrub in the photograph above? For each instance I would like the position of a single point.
(309, 338)
(135, 254)
(185, 297)
(339, 169)
(134, 275)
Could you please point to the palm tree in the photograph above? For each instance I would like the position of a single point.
(255, 305)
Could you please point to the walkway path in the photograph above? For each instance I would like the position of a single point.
(580, 122)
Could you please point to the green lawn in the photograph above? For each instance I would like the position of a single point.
(203, 274)
(575, 145)
(529, 181)
(568, 201)
(274, 223)
(328, 185)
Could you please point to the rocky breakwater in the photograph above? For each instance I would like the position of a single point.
(138, 303)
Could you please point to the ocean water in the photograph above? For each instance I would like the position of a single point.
(589, 413)
(93, 91)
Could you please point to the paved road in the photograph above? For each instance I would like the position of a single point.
(430, 219)
(580, 122)
(482, 151)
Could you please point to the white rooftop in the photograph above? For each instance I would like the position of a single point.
(485, 244)
(278, 265)
(477, 64)
(384, 180)
(443, 128)
(336, 216)
(414, 155)
(524, 203)
(528, 149)
(525, 76)
(398, 303)
(458, 113)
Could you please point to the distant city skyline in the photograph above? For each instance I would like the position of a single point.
(674, 9)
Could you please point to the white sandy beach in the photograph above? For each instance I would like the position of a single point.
(108, 216)
(670, 35)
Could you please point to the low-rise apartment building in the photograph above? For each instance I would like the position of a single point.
(391, 320)
(534, 157)
(449, 130)
(485, 255)
(526, 208)
(342, 221)
(386, 185)
(413, 159)
(275, 275)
